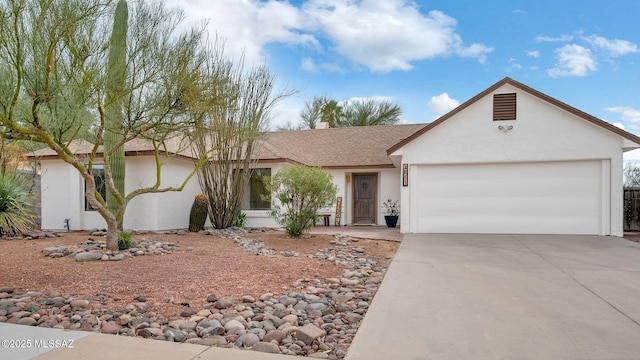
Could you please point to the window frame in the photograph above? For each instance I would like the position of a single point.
(255, 203)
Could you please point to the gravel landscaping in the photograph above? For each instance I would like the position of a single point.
(251, 289)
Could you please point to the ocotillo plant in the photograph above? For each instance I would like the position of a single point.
(116, 77)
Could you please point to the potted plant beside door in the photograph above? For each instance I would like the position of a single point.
(393, 210)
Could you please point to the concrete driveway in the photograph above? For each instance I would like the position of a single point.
(506, 297)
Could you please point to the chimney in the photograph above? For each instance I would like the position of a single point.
(322, 125)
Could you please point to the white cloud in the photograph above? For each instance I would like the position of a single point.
(248, 25)
(628, 113)
(382, 35)
(561, 38)
(618, 125)
(309, 65)
(573, 60)
(442, 104)
(386, 35)
(612, 47)
(533, 53)
(286, 112)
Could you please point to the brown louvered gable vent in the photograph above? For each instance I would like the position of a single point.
(504, 106)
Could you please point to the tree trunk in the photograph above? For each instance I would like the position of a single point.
(112, 234)
(107, 215)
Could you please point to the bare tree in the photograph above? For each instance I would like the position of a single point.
(631, 174)
(53, 56)
(234, 127)
(314, 112)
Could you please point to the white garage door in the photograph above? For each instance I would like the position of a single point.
(517, 198)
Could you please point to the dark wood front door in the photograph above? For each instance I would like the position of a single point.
(365, 188)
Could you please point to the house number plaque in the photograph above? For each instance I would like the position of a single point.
(405, 174)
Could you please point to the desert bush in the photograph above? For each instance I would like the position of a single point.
(16, 204)
(241, 219)
(124, 241)
(301, 191)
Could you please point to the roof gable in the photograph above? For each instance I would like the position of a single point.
(580, 114)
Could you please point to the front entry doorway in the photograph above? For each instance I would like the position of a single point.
(365, 188)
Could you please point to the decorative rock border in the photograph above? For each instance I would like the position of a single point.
(93, 250)
(319, 319)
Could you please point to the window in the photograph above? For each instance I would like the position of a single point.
(258, 196)
(98, 175)
(504, 106)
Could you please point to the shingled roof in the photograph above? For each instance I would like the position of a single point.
(361, 146)
(353, 147)
(134, 147)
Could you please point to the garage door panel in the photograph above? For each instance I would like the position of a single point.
(531, 198)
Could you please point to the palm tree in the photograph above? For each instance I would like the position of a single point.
(332, 113)
(369, 113)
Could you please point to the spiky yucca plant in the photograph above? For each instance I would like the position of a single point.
(16, 205)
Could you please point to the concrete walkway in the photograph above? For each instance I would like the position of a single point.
(506, 297)
(361, 231)
(52, 344)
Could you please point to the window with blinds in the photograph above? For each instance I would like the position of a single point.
(504, 106)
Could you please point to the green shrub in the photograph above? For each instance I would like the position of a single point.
(16, 204)
(241, 219)
(301, 191)
(124, 241)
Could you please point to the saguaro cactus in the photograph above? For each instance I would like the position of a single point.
(116, 73)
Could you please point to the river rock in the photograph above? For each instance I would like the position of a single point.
(248, 340)
(79, 304)
(266, 347)
(88, 256)
(233, 324)
(110, 327)
(27, 321)
(308, 333)
(224, 303)
(176, 335)
(277, 335)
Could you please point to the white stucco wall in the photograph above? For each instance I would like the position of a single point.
(63, 196)
(388, 187)
(162, 211)
(60, 195)
(542, 132)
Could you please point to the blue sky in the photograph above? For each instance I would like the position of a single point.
(429, 56)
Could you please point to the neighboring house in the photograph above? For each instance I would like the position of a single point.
(509, 160)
